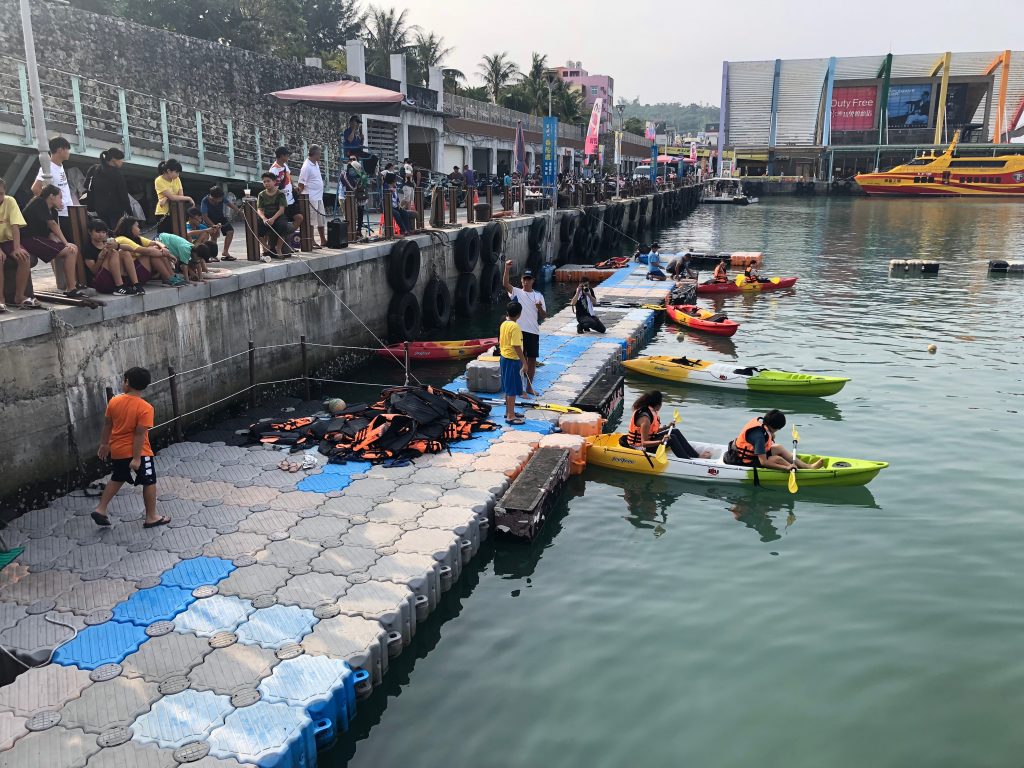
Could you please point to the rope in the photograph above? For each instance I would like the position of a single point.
(46, 617)
(584, 210)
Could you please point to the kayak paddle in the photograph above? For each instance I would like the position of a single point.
(668, 434)
(530, 404)
(792, 471)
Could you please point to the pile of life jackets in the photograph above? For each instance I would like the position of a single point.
(404, 423)
(615, 262)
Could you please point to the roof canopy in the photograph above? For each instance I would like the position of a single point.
(345, 96)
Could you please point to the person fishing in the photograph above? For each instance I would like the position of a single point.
(583, 304)
(756, 447)
(646, 433)
(721, 274)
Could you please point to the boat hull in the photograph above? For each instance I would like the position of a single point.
(718, 289)
(606, 451)
(903, 185)
(678, 314)
(439, 351)
(724, 376)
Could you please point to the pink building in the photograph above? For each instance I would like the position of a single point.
(593, 87)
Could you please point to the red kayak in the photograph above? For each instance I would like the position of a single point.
(440, 350)
(701, 319)
(745, 286)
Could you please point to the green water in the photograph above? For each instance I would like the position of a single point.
(660, 624)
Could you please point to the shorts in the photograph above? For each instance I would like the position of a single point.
(531, 345)
(511, 376)
(43, 248)
(122, 472)
(317, 213)
(281, 227)
(292, 210)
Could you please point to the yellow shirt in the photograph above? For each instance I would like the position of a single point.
(510, 335)
(10, 217)
(163, 185)
(130, 244)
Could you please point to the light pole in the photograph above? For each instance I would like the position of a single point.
(35, 92)
(621, 109)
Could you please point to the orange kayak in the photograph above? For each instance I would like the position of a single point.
(700, 319)
(440, 350)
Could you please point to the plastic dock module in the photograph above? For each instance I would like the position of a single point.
(35, 636)
(43, 689)
(151, 605)
(523, 510)
(182, 717)
(394, 605)
(115, 702)
(363, 643)
(106, 643)
(172, 654)
(269, 734)
(275, 626)
(55, 747)
(219, 613)
(324, 687)
(197, 572)
(226, 670)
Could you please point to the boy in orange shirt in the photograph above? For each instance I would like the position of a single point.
(125, 440)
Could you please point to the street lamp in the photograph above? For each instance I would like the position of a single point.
(621, 109)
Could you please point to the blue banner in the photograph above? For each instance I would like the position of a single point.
(654, 163)
(549, 166)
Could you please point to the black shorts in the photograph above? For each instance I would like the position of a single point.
(531, 345)
(123, 474)
(292, 210)
(281, 228)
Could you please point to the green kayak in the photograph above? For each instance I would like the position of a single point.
(735, 376)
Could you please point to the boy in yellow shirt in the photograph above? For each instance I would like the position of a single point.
(510, 343)
(11, 222)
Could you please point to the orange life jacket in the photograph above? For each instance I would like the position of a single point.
(634, 438)
(744, 449)
(721, 274)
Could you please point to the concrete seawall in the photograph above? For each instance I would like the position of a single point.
(55, 366)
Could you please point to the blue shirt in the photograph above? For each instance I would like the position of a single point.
(470, 177)
(653, 262)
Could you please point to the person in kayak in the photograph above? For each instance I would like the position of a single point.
(646, 433)
(721, 274)
(756, 447)
(751, 274)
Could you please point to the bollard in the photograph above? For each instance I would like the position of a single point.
(253, 248)
(352, 217)
(470, 200)
(437, 208)
(453, 205)
(490, 198)
(388, 217)
(178, 217)
(78, 217)
(305, 366)
(306, 227)
(252, 374)
(175, 408)
(418, 202)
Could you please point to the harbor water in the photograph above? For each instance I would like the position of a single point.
(660, 623)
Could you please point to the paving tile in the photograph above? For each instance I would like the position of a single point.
(174, 484)
(41, 554)
(184, 450)
(159, 603)
(12, 727)
(372, 535)
(174, 653)
(346, 505)
(221, 453)
(322, 686)
(236, 473)
(436, 476)
(11, 614)
(269, 521)
(275, 626)
(211, 761)
(276, 479)
(320, 528)
(251, 496)
(443, 545)
(40, 521)
(90, 557)
(345, 560)
(421, 573)
(182, 717)
(222, 514)
(88, 596)
(113, 702)
(106, 643)
(206, 491)
(394, 605)
(394, 474)
(186, 539)
(372, 488)
(124, 533)
(58, 747)
(234, 544)
(132, 754)
(43, 689)
(226, 669)
(197, 571)
(82, 530)
(289, 552)
(33, 638)
(360, 641)
(312, 589)
(266, 733)
(195, 469)
(418, 492)
(297, 501)
(219, 613)
(138, 565)
(254, 580)
(395, 512)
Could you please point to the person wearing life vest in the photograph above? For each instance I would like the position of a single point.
(751, 274)
(722, 272)
(756, 447)
(646, 433)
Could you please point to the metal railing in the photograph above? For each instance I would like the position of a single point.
(471, 109)
(422, 97)
(387, 83)
(98, 114)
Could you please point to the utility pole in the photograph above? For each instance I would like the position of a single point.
(621, 108)
(35, 92)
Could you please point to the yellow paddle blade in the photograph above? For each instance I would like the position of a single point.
(675, 416)
(796, 435)
(776, 280)
(792, 481)
(740, 279)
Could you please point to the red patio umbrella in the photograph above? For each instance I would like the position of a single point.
(345, 96)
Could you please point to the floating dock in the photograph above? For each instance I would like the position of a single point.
(250, 627)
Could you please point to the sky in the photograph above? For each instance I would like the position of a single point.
(672, 51)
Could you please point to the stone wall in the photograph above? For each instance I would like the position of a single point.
(214, 78)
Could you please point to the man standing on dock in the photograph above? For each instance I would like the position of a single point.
(534, 311)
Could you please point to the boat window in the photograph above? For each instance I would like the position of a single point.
(975, 163)
(920, 161)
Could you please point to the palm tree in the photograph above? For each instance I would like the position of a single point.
(387, 32)
(497, 72)
(568, 104)
(453, 79)
(534, 86)
(428, 51)
(477, 93)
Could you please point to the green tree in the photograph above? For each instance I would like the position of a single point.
(497, 71)
(386, 32)
(477, 93)
(453, 79)
(428, 51)
(568, 104)
(634, 125)
(329, 24)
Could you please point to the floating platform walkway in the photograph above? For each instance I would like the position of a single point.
(248, 630)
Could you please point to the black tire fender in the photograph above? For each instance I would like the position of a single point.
(404, 317)
(490, 284)
(467, 249)
(491, 242)
(403, 265)
(467, 293)
(538, 231)
(437, 304)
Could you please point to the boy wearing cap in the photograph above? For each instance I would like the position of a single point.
(534, 311)
(284, 183)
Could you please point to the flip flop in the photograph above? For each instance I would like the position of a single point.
(283, 466)
(100, 519)
(157, 523)
(294, 467)
(516, 421)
